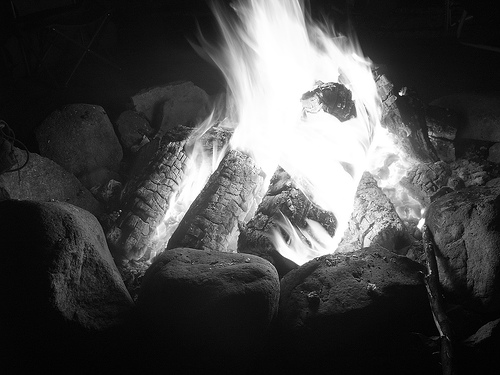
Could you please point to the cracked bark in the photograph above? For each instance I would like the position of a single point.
(374, 221)
(230, 196)
(283, 198)
(403, 115)
(146, 197)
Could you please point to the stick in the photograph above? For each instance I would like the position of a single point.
(437, 303)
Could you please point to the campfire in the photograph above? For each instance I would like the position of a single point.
(313, 211)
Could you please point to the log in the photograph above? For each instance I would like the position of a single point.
(283, 198)
(145, 201)
(427, 182)
(332, 98)
(231, 194)
(146, 197)
(403, 115)
(374, 221)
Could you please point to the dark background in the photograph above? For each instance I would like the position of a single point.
(148, 41)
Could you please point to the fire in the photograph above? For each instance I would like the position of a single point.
(272, 53)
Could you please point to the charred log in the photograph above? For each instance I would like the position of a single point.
(374, 221)
(427, 182)
(332, 98)
(442, 131)
(283, 198)
(403, 115)
(228, 197)
(146, 197)
(146, 201)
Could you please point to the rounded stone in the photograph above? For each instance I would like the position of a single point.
(210, 299)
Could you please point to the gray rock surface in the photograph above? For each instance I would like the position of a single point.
(44, 180)
(81, 138)
(210, 299)
(480, 115)
(465, 225)
(349, 299)
(59, 270)
(180, 103)
(133, 129)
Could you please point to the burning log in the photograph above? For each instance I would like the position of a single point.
(283, 199)
(374, 221)
(332, 98)
(427, 182)
(146, 201)
(403, 115)
(148, 196)
(229, 196)
(442, 131)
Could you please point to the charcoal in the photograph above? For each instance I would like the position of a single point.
(332, 98)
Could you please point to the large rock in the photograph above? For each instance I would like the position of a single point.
(81, 139)
(42, 179)
(352, 304)
(465, 225)
(480, 115)
(180, 103)
(133, 130)
(210, 300)
(58, 268)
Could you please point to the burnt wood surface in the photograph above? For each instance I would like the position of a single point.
(283, 198)
(403, 115)
(155, 179)
(374, 221)
(145, 201)
(227, 198)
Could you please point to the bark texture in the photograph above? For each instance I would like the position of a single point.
(228, 197)
(403, 114)
(283, 198)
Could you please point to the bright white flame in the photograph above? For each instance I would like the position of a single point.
(272, 54)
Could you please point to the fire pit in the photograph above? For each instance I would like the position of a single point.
(278, 228)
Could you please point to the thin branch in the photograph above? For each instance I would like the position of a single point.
(437, 304)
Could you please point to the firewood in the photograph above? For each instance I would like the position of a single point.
(228, 197)
(374, 221)
(145, 202)
(332, 98)
(147, 196)
(283, 199)
(403, 115)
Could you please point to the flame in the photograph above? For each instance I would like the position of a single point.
(272, 53)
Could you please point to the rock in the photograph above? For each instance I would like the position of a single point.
(210, 300)
(62, 271)
(465, 228)
(494, 153)
(64, 301)
(81, 139)
(44, 180)
(132, 129)
(489, 331)
(480, 115)
(180, 103)
(346, 303)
